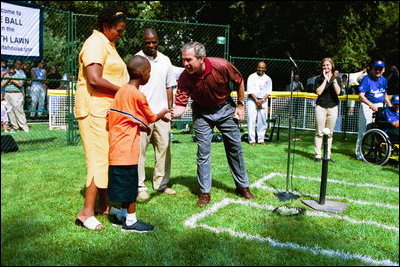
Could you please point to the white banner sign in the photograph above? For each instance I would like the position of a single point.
(21, 35)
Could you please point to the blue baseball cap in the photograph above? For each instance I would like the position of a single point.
(395, 99)
(378, 63)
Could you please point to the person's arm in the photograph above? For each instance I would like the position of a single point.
(239, 111)
(95, 79)
(387, 100)
(250, 89)
(361, 76)
(33, 74)
(269, 90)
(4, 82)
(396, 124)
(170, 98)
(18, 83)
(162, 113)
(336, 85)
(45, 84)
(321, 88)
(362, 98)
(181, 99)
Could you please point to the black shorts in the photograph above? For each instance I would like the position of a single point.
(123, 183)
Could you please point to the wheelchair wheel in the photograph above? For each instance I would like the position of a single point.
(375, 147)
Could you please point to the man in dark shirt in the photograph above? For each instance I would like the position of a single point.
(206, 81)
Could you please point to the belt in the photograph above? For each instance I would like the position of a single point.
(208, 109)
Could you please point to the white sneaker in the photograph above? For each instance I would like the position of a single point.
(143, 195)
(169, 191)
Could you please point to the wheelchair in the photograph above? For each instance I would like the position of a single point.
(377, 146)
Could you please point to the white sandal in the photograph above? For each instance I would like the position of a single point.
(91, 223)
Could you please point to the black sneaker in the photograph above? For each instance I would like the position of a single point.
(116, 221)
(138, 227)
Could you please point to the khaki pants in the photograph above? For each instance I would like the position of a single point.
(15, 105)
(94, 136)
(325, 118)
(160, 138)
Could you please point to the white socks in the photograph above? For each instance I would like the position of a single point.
(130, 219)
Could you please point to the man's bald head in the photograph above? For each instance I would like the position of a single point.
(150, 33)
(136, 66)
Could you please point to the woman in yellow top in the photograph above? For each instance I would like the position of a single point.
(101, 73)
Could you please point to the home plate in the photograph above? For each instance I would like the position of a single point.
(329, 206)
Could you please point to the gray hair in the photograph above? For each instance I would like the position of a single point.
(199, 49)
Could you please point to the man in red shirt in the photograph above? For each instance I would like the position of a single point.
(206, 81)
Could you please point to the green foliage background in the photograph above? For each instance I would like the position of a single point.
(349, 31)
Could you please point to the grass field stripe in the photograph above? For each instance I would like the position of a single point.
(226, 201)
(191, 222)
(348, 219)
(269, 176)
(378, 204)
(260, 184)
(314, 250)
(321, 214)
(348, 183)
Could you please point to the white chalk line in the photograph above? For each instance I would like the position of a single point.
(260, 184)
(192, 223)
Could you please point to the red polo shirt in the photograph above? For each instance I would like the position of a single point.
(211, 88)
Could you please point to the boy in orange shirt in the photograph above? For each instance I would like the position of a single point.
(129, 114)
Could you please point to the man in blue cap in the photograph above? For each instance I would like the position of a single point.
(391, 115)
(372, 95)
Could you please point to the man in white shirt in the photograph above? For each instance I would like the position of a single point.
(259, 88)
(158, 92)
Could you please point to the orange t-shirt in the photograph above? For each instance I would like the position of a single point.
(128, 110)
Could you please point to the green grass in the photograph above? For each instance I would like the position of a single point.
(42, 192)
(39, 137)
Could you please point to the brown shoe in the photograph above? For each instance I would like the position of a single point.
(204, 199)
(244, 192)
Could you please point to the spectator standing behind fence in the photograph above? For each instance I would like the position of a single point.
(297, 84)
(15, 100)
(128, 114)
(158, 92)
(372, 95)
(206, 81)
(347, 90)
(53, 75)
(4, 115)
(101, 72)
(4, 68)
(328, 87)
(38, 89)
(26, 66)
(259, 88)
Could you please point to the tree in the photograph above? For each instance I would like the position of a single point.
(352, 31)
